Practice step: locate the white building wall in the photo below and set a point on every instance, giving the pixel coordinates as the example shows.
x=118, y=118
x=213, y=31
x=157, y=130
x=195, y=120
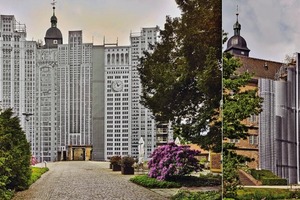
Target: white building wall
x=46, y=102
x=17, y=72
x=74, y=78
x=143, y=124
x=117, y=123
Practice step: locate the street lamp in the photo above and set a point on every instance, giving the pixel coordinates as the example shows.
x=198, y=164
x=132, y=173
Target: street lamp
x=27, y=115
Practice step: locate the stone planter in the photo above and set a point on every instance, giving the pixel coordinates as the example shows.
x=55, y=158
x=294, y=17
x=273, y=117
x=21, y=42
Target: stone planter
x=116, y=167
x=127, y=170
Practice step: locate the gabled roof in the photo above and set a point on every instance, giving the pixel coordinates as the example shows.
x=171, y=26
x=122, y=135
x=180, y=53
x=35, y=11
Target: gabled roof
x=259, y=67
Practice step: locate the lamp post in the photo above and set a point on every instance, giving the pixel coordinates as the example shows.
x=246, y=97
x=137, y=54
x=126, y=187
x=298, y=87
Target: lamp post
x=27, y=115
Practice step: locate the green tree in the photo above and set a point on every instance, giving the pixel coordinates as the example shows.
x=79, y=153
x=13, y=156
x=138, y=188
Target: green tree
x=14, y=152
x=181, y=78
x=239, y=103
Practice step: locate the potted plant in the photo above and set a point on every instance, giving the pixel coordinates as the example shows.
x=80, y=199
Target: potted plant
x=126, y=165
x=115, y=163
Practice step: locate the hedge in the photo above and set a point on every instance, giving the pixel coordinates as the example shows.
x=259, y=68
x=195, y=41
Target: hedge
x=273, y=181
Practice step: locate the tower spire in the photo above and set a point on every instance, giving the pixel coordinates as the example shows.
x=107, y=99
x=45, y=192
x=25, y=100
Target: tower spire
x=53, y=18
x=237, y=26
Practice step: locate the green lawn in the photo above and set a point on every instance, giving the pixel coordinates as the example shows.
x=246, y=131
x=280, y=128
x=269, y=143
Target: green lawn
x=37, y=173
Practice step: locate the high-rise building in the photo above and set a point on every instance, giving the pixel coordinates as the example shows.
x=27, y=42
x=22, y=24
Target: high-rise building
x=74, y=76
x=76, y=100
x=142, y=121
x=117, y=125
x=17, y=73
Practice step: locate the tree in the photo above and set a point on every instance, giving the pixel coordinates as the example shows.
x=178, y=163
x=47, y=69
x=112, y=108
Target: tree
x=239, y=103
x=181, y=78
x=14, y=152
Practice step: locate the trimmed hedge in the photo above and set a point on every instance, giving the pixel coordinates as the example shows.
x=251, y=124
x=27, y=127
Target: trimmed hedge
x=267, y=177
x=176, y=181
x=273, y=181
x=148, y=182
x=266, y=194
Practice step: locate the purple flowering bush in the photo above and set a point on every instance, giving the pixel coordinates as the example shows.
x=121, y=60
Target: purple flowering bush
x=170, y=160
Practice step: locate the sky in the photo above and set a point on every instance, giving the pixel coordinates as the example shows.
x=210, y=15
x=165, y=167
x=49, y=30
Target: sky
x=114, y=19
x=271, y=28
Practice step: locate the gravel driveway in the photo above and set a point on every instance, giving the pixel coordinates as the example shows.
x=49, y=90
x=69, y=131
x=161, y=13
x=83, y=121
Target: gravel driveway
x=85, y=180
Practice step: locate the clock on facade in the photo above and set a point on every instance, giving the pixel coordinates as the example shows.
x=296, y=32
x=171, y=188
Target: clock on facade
x=117, y=86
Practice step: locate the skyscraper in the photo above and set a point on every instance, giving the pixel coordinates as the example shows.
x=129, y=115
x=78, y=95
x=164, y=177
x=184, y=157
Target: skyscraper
x=17, y=73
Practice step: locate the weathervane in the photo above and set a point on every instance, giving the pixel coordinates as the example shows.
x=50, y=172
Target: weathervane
x=237, y=12
x=53, y=3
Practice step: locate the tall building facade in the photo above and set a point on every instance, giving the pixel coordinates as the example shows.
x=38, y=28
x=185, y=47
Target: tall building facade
x=279, y=123
x=74, y=95
x=142, y=122
x=117, y=127
x=17, y=73
x=74, y=77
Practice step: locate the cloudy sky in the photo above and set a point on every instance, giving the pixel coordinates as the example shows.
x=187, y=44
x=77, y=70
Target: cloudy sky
x=271, y=28
x=97, y=18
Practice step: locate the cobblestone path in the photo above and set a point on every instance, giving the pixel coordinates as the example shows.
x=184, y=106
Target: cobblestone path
x=85, y=180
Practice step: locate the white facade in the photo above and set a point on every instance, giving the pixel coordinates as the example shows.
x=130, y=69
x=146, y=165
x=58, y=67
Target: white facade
x=74, y=92
x=17, y=73
x=117, y=124
x=143, y=124
x=46, y=101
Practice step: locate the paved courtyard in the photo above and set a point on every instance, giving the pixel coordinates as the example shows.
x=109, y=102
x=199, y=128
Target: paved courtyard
x=85, y=180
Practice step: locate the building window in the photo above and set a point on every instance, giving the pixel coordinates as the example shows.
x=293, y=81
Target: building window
x=233, y=140
x=253, y=139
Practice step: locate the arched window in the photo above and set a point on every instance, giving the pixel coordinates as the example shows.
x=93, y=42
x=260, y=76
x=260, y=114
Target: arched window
x=118, y=59
x=113, y=59
x=108, y=59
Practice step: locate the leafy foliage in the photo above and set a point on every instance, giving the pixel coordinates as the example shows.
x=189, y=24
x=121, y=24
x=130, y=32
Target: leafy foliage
x=14, y=153
x=170, y=160
x=181, y=78
x=127, y=161
x=238, y=104
x=115, y=160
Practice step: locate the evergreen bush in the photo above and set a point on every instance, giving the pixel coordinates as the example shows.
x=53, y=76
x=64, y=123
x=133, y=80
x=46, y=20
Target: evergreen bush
x=15, y=155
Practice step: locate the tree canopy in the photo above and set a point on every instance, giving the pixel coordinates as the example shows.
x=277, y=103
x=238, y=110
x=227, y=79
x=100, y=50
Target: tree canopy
x=181, y=77
x=239, y=103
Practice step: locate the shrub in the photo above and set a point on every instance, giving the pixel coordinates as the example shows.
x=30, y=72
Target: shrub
x=169, y=160
x=273, y=181
x=265, y=193
x=149, y=182
x=193, y=181
x=188, y=195
x=115, y=160
x=267, y=177
x=127, y=161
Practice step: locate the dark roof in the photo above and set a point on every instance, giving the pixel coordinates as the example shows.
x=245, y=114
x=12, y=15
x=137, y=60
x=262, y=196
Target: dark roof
x=261, y=68
x=53, y=33
x=237, y=42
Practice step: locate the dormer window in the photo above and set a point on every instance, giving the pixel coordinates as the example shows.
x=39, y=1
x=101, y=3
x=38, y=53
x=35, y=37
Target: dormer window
x=54, y=41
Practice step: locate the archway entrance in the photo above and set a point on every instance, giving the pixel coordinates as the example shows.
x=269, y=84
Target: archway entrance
x=79, y=152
